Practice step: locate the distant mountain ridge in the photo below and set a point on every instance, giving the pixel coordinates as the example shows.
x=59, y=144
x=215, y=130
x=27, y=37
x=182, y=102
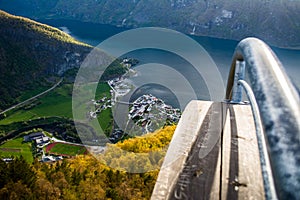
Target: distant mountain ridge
x=31, y=54
x=275, y=21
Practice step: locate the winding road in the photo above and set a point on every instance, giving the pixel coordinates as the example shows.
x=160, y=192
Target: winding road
x=34, y=97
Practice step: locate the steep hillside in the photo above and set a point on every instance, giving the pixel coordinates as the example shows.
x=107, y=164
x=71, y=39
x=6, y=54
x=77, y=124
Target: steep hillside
x=31, y=54
x=85, y=177
x=274, y=21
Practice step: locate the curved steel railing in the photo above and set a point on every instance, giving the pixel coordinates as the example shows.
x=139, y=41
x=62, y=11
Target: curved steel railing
x=279, y=112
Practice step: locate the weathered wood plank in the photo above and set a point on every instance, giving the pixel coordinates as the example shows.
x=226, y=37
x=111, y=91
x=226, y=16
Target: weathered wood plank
x=197, y=179
x=241, y=171
x=250, y=176
x=185, y=135
x=210, y=158
x=226, y=143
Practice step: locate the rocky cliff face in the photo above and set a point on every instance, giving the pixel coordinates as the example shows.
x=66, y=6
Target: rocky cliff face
x=276, y=22
x=30, y=53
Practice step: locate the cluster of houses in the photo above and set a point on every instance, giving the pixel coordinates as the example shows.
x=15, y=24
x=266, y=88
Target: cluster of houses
x=119, y=86
x=146, y=103
x=143, y=104
x=141, y=111
x=40, y=140
x=51, y=158
x=100, y=105
x=129, y=62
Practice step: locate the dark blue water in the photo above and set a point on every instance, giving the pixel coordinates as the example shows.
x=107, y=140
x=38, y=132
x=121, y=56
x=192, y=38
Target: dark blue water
x=89, y=33
x=220, y=50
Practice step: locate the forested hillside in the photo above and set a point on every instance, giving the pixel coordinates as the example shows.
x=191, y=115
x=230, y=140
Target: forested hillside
x=32, y=55
x=84, y=177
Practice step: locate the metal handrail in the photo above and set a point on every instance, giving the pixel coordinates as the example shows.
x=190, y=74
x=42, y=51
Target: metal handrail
x=261, y=140
x=279, y=106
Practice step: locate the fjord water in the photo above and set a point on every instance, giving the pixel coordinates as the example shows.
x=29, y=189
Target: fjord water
x=220, y=50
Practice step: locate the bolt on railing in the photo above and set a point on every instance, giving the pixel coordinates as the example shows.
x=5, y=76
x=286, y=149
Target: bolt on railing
x=276, y=109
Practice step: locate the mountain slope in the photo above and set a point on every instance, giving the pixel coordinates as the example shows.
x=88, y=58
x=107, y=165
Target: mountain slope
x=31, y=53
x=276, y=22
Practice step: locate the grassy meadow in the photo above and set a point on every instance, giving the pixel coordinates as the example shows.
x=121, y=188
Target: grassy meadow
x=16, y=148
x=57, y=102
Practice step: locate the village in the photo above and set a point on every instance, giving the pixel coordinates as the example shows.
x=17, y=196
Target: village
x=148, y=109
x=119, y=87
x=147, y=112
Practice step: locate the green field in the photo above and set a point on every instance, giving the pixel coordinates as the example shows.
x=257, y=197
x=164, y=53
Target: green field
x=66, y=149
x=55, y=103
x=105, y=120
x=16, y=148
x=28, y=94
x=102, y=90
